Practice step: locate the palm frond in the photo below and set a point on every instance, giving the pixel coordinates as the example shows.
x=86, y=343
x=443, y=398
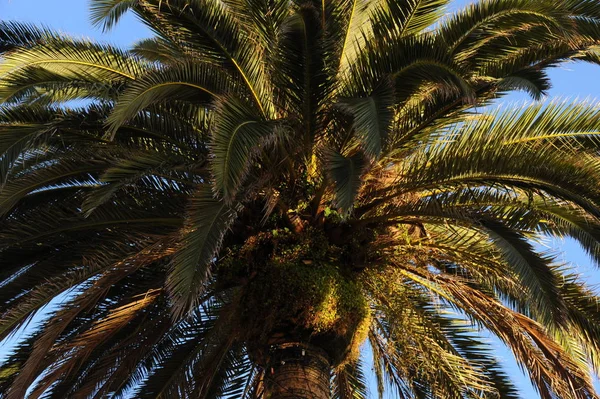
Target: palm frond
x=409, y=62
x=238, y=136
x=552, y=370
x=158, y=50
x=534, y=271
x=207, y=221
x=108, y=12
x=209, y=28
x=75, y=353
x=88, y=296
x=349, y=382
x=397, y=19
x=209, y=346
x=68, y=173
x=76, y=59
x=345, y=172
x=372, y=118
x=14, y=35
x=195, y=82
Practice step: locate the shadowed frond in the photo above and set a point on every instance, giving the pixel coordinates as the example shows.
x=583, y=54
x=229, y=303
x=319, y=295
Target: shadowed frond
x=372, y=118
x=207, y=221
x=346, y=173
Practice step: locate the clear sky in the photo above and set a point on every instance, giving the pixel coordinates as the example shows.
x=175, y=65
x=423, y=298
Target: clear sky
x=572, y=81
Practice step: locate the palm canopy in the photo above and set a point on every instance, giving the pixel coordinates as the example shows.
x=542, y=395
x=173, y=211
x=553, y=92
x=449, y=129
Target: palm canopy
x=272, y=174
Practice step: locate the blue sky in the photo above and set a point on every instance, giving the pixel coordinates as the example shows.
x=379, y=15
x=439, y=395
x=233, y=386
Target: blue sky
x=570, y=81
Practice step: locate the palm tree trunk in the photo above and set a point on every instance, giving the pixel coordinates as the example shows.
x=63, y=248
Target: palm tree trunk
x=297, y=371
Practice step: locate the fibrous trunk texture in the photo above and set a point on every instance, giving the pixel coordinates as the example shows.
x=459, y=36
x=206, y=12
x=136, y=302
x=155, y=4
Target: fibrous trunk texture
x=297, y=371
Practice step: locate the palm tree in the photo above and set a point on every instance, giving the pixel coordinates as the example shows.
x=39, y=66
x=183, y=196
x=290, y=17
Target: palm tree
x=231, y=208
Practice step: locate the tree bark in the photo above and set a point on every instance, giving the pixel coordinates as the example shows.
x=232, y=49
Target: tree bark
x=297, y=371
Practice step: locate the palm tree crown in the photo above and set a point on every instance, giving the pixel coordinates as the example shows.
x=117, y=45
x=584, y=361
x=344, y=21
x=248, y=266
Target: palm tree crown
x=265, y=185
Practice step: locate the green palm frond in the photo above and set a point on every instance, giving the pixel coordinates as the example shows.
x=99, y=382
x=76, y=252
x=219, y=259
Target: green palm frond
x=533, y=270
x=372, y=118
x=199, y=83
x=74, y=59
x=428, y=371
x=207, y=26
x=582, y=304
x=265, y=17
x=350, y=382
x=49, y=284
x=37, y=85
x=409, y=63
x=531, y=131
x=24, y=127
x=158, y=50
x=80, y=349
x=108, y=12
x=534, y=83
x=154, y=366
x=468, y=28
x=237, y=138
x=397, y=19
x=156, y=169
x=236, y=374
x=352, y=16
